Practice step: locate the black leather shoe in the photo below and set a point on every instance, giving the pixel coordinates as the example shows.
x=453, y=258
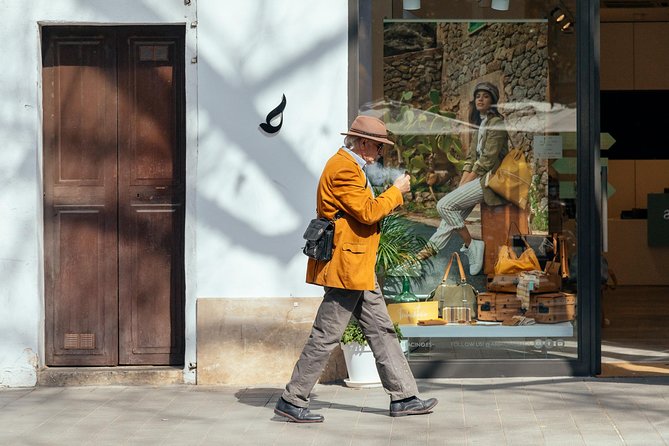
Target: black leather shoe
x=412, y=406
x=295, y=413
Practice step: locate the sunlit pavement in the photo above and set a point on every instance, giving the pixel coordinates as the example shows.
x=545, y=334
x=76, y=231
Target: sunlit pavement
x=527, y=411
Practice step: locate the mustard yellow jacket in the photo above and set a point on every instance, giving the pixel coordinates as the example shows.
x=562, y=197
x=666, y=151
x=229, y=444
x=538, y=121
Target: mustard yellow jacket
x=343, y=188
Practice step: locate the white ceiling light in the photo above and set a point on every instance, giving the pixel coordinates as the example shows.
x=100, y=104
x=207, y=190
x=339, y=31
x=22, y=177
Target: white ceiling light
x=411, y=5
x=500, y=5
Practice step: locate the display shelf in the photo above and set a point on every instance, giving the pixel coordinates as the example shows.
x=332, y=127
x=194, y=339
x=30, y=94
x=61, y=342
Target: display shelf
x=488, y=330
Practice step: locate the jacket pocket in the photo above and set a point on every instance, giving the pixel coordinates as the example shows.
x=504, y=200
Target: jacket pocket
x=355, y=248
x=355, y=265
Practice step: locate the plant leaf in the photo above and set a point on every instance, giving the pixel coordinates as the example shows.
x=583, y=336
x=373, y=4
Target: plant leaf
x=418, y=162
x=423, y=149
x=435, y=96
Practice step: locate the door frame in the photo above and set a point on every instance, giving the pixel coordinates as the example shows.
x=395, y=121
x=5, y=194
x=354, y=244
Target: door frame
x=191, y=142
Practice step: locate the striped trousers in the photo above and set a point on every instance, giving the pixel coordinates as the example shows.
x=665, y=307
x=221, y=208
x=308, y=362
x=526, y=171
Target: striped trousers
x=454, y=208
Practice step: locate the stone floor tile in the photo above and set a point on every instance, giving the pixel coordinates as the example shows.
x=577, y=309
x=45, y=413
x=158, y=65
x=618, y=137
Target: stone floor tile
x=563, y=440
x=551, y=411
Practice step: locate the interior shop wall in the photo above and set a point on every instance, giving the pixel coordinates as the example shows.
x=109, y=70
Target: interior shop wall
x=634, y=59
x=21, y=270
x=256, y=190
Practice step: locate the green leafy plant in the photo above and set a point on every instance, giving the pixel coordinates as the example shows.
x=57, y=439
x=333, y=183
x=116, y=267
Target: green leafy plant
x=427, y=141
x=353, y=333
x=398, y=246
x=539, y=213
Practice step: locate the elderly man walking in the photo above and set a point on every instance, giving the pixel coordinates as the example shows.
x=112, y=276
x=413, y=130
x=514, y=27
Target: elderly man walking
x=345, y=196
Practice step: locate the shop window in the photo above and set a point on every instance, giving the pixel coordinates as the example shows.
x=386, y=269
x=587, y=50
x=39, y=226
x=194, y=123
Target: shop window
x=461, y=86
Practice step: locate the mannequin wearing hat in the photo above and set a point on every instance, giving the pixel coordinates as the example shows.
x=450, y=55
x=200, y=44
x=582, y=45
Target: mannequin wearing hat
x=345, y=196
x=487, y=148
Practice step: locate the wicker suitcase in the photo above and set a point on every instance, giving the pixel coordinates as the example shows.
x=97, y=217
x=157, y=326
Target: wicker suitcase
x=551, y=308
x=498, y=307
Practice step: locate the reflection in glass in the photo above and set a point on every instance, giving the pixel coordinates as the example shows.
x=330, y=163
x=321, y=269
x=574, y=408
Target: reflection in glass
x=437, y=75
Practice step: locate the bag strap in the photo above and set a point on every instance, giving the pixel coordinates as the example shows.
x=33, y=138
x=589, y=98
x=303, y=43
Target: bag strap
x=448, y=269
x=555, y=253
x=555, y=247
x=512, y=225
x=463, y=278
x=520, y=234
x=337, y=215
x=563, y=260
x=455, y=256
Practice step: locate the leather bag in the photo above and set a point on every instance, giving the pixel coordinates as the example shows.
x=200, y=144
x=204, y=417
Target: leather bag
x=319, y=237
x=545, y=283
x=505, y=283
x=459, y=298
x=544, y=246
x=508, y=262
x=512, y=178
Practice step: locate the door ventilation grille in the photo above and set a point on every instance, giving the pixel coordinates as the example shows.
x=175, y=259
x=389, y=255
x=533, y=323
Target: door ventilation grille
x=79, y=341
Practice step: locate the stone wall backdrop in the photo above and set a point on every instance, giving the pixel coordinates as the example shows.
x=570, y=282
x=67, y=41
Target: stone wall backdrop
x=412, y=61
x=512, y=56
x=418, y=72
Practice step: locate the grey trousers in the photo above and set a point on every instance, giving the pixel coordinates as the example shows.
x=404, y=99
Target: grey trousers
x=333, y=315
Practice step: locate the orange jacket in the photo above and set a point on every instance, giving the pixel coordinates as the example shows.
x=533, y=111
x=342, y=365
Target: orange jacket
x=343, y=187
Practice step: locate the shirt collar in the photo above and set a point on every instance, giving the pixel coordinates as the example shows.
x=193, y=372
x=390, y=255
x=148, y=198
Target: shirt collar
x=358, y=159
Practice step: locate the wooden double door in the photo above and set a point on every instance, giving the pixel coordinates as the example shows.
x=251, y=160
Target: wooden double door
x=114, y=188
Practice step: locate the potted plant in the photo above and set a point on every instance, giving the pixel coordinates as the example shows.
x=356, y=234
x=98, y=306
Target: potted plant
x=359, y=358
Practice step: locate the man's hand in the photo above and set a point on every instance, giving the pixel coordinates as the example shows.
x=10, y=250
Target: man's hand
x=403, y=183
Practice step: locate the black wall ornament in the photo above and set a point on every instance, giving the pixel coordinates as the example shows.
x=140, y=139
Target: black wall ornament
x=267, y=125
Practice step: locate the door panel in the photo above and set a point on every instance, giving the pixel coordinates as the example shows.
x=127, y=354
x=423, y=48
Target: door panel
x=80, y=205
x=114, y=152
x=149, y=329
x=151, y=185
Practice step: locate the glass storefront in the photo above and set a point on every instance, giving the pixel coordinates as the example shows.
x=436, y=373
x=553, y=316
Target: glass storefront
x=469, y=92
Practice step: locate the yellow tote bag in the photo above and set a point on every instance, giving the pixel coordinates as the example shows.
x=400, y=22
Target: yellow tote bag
x=512, y=178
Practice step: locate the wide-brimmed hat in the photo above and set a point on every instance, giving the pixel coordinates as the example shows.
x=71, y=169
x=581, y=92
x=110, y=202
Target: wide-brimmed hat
x=489, y=88
x=369, y=127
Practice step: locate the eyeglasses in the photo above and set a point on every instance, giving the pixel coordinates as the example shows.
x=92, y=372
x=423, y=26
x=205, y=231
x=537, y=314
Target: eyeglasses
x=379, y=146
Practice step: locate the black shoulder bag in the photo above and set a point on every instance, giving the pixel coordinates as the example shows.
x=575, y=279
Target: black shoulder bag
x=320, y=238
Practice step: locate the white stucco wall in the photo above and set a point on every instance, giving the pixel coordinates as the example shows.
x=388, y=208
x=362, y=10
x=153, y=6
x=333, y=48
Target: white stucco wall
x=249, y=195
x=256, y=193
x=21, y=261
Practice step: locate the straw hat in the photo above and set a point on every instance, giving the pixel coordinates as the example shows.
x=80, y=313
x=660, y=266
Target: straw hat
x=369, y=127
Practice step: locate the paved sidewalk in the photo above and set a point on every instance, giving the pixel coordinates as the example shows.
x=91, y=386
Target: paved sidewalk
x=527, y=411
